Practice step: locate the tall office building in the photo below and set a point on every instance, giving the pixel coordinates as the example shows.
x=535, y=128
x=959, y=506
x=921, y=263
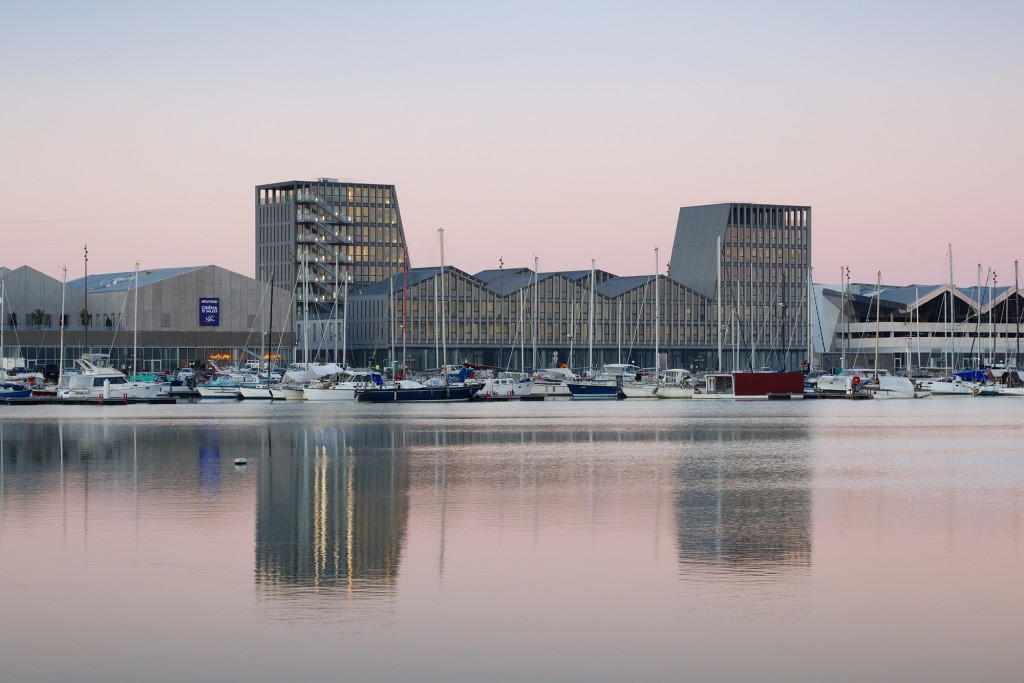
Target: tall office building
x=764, y=265
x=347, y=233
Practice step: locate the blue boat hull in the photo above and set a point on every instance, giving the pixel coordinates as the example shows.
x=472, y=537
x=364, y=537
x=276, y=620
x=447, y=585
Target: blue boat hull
x=594, y=391
x=436, y=394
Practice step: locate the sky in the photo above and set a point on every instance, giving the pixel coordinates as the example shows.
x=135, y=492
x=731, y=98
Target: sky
x=568, y=131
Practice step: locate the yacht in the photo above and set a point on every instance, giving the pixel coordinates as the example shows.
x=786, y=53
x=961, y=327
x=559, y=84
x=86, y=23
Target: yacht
x=606, y=385
x=875, y=382
x=342, y=386
x=95, y=377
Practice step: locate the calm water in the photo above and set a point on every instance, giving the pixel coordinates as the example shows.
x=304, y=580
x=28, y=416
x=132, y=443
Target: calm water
x=559, y=541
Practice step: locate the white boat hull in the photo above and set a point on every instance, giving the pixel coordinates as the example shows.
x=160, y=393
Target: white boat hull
x=674, y=392
x=335, y=393
x=264, y=393
x=221, y=392
x=639, y=390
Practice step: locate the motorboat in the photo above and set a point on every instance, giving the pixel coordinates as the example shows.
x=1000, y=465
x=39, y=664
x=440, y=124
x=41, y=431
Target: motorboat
x=874, y=382
x=227, y=385
x=14, y=390
x=498, y=388
x=341, y=386
x=95, y=377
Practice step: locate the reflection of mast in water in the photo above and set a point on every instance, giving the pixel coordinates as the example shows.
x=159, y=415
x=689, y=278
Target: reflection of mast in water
x=444, y=496
x=2, y=474
x=333, y=515
x=738, y=506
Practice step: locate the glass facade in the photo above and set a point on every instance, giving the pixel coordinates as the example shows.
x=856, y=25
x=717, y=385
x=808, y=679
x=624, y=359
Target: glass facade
x=546, y=321
x=765, y=265
x=319, y=236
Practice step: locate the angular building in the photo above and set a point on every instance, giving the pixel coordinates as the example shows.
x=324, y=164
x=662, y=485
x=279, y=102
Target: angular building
x=764, y=267
x=348, y=235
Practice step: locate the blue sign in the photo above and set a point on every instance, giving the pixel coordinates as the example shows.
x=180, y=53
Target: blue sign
x=209, y=312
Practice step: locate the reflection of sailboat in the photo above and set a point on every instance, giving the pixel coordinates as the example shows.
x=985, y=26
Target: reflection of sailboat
x=334, y=516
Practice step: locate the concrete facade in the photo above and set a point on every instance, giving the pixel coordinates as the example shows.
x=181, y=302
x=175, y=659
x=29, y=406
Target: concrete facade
x=169, y=330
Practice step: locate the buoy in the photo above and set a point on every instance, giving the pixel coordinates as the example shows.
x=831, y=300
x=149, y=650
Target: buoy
x=240, y=461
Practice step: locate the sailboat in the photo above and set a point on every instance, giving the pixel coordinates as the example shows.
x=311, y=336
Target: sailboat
x=410, y=391
x=882, y=384
x=265, y=392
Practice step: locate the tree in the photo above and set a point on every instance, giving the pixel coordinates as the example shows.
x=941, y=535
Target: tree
x=38, y=316
x=84, y=317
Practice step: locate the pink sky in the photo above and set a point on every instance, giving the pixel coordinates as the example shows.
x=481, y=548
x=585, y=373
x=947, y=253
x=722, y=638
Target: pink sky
x=570, y=131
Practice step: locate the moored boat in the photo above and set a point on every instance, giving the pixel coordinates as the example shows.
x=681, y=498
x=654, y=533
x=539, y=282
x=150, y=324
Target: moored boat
x=409, y=391
x=97, y=378
x=752, y=386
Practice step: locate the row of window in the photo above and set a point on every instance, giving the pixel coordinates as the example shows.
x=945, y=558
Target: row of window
x=739, y=255
x=738, y=235
x=769, y=216
x=329, y=192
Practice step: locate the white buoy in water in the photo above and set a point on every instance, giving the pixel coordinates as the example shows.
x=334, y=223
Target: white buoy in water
x=240, y=461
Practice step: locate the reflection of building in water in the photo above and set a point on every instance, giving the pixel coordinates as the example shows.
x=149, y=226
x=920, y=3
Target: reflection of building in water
x=331, y=507
x=744, y=498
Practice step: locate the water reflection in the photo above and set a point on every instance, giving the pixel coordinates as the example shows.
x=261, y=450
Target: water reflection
x=331, y=508
x=744, y=499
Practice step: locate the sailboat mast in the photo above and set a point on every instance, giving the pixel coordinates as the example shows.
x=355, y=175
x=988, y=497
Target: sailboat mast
x=405, y=300
x=1016, y=307
x=878, y=316
x=391, y=315
x=63, y=322
x=344, y=322
x=305, y=307
x=916, y=336
x=334, y=309
x=810, y=329
x=844, y=281
x=270, y=327
x=949, y=314
x=590, y=320
x=135, y=324
x=444, y=339
x=522, y=332
x=657, y=313
x=536, y=279
x=85, y=290
x=991, y=322
x=3, y=296
x=718, y=296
